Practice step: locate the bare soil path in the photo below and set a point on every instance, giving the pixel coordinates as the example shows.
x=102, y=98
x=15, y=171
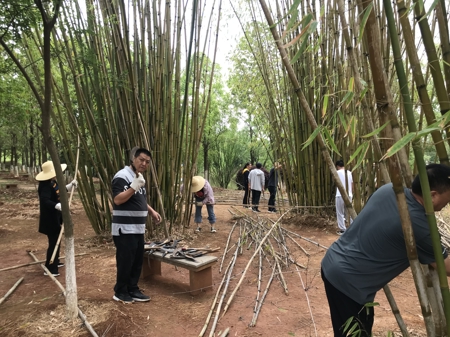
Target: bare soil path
x=37, y=307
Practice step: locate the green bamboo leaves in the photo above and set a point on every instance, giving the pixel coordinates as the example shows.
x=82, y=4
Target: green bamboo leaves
x=412, y=136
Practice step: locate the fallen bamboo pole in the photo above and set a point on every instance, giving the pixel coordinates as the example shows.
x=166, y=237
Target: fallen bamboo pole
x=218, y=203
x=307, y=300
x=225, y=251
x=33, y=263
x=256, y=313
x=306, y=239
x=208, y=318
x=80, y=313
x=219, y=305
x=225, y=333
x=10, y=291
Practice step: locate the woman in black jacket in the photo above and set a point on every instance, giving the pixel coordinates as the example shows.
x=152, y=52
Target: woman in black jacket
x=245, y=173
x=50, y=217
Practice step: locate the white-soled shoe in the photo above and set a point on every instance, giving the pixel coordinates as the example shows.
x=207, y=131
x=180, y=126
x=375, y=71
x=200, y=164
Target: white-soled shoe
x=198, y=230
x=213, y=230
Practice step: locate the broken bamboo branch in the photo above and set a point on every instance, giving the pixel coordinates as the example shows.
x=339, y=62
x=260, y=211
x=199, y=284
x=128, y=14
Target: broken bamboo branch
x=33, y=263
x=10, y=291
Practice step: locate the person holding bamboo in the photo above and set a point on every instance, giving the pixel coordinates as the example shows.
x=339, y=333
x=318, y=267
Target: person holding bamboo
x=203, y=195
x=372, y=250
x=130, y=211
x=50, y=216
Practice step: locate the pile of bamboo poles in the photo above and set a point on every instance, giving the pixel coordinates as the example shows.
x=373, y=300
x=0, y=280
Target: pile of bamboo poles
x=271, y=246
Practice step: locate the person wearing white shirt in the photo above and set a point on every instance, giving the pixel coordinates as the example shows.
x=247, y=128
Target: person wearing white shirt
x=347, y=180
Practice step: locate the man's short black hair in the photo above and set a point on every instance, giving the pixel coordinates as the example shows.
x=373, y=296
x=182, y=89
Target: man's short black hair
x=340, y=163
x=258, y=165
x=438, y=178
x=142, y=150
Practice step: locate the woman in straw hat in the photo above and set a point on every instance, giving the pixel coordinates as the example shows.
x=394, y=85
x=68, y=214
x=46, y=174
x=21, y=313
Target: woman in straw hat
x=50, y=217
x=203, y=195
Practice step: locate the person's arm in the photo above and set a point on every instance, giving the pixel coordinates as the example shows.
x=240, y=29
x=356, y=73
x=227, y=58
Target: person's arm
x=446, y=263
x=155, y=215
x=124, y=196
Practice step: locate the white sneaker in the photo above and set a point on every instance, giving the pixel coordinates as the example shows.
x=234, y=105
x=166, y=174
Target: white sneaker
x=198, y=230
x=213, y=230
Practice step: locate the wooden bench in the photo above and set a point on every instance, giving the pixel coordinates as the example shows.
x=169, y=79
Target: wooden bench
x=200, y=270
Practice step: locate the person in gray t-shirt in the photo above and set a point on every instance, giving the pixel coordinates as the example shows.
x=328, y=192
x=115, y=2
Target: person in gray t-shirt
x=372, y=250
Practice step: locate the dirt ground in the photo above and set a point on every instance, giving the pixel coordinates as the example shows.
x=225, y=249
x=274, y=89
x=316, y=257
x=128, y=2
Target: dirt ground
x=37, y=306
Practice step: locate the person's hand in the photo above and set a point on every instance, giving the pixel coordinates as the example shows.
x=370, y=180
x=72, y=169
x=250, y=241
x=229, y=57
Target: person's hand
x=199, y=203
x=73, y=184
x=156, y=217
x=138, y=182
x=58, y=206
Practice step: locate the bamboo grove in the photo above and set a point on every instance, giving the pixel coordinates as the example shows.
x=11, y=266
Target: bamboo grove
x=129, y=73
x=366, y=82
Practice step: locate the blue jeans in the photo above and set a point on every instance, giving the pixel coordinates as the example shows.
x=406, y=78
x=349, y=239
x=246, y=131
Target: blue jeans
x=198, y=213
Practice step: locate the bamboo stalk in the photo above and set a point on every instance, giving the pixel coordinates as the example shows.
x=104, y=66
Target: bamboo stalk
x=205, y=326
x=70, y=201
x=225, y=251
x=307, y=300
x=10, y=291
x=306, y=239
x=32, y=263
x=258, y=287
x=225, y=332
x=258, y=310
x=219, y=305
x=298, y=245
x=280, y=274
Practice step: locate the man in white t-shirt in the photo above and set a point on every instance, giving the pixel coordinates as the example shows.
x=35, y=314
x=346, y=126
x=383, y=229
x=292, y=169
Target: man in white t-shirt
x=347, y=181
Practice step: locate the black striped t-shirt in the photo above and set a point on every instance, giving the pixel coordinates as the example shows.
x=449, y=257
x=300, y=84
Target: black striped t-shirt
x=129, y=217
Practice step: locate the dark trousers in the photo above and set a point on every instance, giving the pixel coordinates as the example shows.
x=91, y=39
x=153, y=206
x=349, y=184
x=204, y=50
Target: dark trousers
x=246, y=200
x=273, y=193
x=343, y=307
x=129, y=258
x=256, y=195
x=52, y=240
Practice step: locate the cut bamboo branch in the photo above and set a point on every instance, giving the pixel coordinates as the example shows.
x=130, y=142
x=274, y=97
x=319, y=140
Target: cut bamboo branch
x=225, y=251
x=219, y=305
x=225, y=332
x=307, y=300
x=258, y=310
x=205, y=326
x=248, y=265
x=10, y=291
x=33, y=263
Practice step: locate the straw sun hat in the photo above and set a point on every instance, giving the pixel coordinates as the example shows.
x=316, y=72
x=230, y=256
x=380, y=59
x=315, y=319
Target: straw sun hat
x=48, y=171
x=197, y=183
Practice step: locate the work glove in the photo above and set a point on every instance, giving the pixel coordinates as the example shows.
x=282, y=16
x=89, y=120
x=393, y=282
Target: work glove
x=199, y=203
x=58, y=206
x=138, y=182
x=73, y=184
